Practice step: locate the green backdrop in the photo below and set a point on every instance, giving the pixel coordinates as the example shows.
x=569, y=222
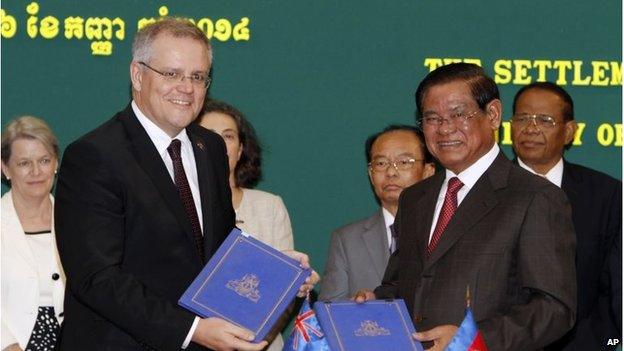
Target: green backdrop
x=317, y=77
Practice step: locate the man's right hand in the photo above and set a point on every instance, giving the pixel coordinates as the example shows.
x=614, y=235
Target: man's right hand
x=363, y=295
x=220, y=335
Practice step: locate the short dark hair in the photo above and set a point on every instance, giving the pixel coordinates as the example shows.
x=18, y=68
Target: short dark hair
x=483, y=87
x=247, y=173
x=368, y=145
x=568, y=104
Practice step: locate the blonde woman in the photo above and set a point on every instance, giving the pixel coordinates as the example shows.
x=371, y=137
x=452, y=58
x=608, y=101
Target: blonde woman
x=32, y=276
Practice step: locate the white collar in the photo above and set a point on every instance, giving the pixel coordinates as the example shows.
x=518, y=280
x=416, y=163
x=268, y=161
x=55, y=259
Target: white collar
x=158, y=136
x=554, y=175
x=471, y=175
x=388, y=217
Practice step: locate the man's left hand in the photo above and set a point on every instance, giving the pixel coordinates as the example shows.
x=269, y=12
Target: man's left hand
x=304, y=262
x=440, y=336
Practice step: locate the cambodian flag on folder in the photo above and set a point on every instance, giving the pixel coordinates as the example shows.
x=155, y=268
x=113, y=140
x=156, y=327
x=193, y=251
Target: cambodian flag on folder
x=307, y=334
x=468, y=337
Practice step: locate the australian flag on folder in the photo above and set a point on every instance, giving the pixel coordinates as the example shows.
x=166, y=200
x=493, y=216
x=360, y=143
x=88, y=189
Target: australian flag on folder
x=468, y=337
x=307, y=334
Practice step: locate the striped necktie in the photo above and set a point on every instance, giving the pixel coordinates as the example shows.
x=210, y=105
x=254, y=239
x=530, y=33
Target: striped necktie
x=446, y=213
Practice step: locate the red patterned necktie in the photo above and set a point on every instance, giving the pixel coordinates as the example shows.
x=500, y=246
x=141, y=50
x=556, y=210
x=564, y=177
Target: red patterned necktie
x=446, y=213
x=184, y=190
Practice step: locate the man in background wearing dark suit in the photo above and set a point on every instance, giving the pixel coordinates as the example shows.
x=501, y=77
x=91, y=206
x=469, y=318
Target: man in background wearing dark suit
x=484, y=224
x=542, y=126
x=142, y=203
x=358, y=254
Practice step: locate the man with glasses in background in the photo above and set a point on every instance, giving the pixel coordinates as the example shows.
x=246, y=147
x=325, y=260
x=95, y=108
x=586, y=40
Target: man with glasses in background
x=542, y=127
x=142, y=203
x=358, y=254
x=484, y=225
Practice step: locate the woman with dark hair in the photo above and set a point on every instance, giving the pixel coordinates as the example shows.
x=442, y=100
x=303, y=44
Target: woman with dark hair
x=261, y=214
x=33, y=282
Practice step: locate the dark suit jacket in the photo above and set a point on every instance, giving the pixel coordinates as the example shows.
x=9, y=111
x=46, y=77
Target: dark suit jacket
x=510, y=242
x=596, y=200
x=357, y=259
x=125, y=241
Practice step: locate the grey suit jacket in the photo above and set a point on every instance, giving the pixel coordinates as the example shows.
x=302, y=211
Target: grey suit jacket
x=511, y=242
x=357, y=258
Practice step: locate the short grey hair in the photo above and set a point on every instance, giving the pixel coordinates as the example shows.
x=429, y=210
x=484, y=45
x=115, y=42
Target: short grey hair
x=28, y=127
x=176, y=27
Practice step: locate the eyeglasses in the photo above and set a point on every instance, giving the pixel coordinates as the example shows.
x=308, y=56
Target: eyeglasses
x=402, y=164
x=539, y=120
x=173, y=76
x=455, y=118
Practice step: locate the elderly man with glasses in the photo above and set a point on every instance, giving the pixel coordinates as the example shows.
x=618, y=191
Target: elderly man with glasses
x=483, y=225
x=358, y=253
x=542, y=127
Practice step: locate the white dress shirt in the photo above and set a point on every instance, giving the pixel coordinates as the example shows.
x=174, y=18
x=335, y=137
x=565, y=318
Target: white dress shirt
x=555, y=174
x=162, y=141
x=388, y=220
x=469, y=177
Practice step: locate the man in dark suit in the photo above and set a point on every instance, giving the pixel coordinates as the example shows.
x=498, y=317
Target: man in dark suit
x=542, y=127
x=142, y=202
x=358, y=254
x=482, y=225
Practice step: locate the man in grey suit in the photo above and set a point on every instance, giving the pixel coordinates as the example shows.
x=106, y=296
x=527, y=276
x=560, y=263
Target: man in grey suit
x=358, y=254
x=484, y=224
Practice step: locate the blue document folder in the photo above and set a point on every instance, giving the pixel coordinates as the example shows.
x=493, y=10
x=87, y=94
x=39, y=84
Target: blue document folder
x=247, y=283
x=376, y=325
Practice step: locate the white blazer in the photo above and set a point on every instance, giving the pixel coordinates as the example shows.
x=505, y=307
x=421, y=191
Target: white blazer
x=20, y=283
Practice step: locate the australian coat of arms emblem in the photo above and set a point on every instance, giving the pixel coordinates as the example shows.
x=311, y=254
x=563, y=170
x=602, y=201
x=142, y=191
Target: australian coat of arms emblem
x=246, y=286
x=371, y=328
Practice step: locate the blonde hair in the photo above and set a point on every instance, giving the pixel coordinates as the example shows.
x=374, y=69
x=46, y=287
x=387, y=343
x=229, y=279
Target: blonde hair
x=28, y=127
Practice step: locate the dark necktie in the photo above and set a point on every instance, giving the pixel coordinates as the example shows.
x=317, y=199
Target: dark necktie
x=184, y=190
x=394, y=238
x=446, y=213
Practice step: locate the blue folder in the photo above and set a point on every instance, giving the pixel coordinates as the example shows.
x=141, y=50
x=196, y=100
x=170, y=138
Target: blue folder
x=376, y=325
x=247, y=283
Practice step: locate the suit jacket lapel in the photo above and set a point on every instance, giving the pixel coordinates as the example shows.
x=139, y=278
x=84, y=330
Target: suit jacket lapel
x=570, y=183
x=151, y=162
x=205, y=177
x=376, y=242
x=478, y=202
x=422, y=219
x=12, y=232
